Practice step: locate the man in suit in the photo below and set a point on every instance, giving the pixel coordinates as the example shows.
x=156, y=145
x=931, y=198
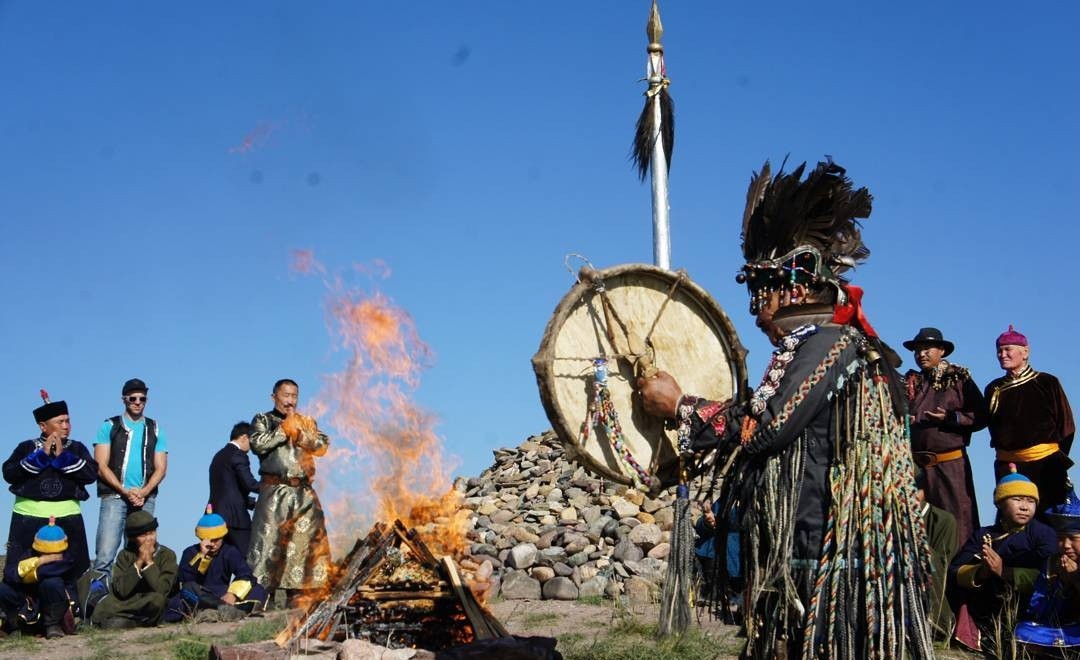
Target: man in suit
x=230, y=483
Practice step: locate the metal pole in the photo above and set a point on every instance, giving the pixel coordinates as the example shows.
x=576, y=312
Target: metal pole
x=659, y=165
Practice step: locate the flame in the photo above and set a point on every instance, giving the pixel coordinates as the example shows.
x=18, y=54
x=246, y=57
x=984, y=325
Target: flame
x=385, y=457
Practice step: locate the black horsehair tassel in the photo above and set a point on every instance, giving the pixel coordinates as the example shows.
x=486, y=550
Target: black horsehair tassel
x=675, y=602
x=644, y=138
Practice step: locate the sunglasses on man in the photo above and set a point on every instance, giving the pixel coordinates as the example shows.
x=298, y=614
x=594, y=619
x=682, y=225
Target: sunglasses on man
x=135, y=399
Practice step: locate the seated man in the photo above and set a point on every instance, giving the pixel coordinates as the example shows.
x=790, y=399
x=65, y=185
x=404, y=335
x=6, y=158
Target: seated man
x=39, y=586
x=143, y=578
x=1052, y=619
x=997, y=567
x=216, y=582
x=941, y=535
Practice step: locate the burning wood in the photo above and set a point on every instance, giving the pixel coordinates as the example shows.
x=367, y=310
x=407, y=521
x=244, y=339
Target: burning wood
x=391, y=590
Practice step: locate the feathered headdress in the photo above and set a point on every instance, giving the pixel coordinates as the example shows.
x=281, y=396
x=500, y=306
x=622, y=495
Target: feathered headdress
x=798, y=231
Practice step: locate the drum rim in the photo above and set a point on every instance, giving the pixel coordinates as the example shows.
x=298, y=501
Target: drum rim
x=543, y=360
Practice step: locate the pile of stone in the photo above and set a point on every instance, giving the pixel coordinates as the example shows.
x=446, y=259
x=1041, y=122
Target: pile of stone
x=545, y=527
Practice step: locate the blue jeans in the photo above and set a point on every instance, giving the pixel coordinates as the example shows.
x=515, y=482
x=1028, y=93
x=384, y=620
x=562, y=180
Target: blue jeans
x=110, y=530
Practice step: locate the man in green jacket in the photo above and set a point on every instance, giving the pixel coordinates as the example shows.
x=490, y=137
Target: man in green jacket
x=143, y=578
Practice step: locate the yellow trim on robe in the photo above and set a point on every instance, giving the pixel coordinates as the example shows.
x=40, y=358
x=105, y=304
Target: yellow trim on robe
x=28, y=569
x=240, y=588
x=1028, y=454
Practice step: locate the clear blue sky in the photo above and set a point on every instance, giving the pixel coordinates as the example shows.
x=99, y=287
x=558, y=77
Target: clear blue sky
x=470, y=146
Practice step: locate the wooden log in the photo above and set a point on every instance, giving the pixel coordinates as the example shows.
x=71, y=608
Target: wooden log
x=484, y=625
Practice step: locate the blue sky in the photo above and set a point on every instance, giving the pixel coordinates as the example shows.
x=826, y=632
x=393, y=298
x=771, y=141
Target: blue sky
x=469, y=146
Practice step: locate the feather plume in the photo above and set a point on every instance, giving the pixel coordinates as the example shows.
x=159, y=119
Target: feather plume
x=784, y=212
x=645, y=134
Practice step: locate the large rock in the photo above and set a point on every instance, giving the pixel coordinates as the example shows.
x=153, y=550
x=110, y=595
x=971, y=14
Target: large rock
x=624, y=508
x=358, y=649
x=627, y=550
x=518, y=585
x=645, y=535
x=640, y=592
x=660, y=551
x=522, y=556
x=560, y=588
x=542, y=573
x=593, y=587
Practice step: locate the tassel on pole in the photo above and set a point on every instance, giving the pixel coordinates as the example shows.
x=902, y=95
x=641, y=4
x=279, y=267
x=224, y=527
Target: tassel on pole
x=676, y=601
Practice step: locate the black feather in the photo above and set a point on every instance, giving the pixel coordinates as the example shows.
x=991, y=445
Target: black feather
x=784, y=212
x=645, y=133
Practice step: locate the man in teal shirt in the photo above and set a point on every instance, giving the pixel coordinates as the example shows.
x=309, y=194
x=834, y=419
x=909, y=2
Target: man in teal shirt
x=132, y=457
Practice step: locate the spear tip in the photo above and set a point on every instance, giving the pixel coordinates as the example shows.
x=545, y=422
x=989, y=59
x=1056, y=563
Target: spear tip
x=654, y=29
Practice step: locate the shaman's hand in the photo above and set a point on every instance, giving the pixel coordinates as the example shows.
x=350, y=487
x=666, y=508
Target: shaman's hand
x=660, y=395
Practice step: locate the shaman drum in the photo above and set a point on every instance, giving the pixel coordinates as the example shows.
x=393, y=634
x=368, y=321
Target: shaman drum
x=612, y=325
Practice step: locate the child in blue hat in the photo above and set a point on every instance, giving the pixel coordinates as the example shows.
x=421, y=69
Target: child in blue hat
x=216, y=583
x=39, y=587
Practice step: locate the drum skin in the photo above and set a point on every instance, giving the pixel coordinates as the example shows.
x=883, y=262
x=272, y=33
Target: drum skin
x=693, y=340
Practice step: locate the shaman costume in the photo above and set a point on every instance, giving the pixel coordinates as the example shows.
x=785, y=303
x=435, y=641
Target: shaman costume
x=1031, y=425
x=834, y=549
x=48, y=487
x=289, y=547
x=1052, y=619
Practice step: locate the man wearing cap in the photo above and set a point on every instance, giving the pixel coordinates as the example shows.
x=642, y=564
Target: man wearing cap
x=39, y=585
x=1052, y=618
x=946, y=407
x=216, y=582
x=230, y=483
x=132, y=456
x=289, y=548
x=49, y=475
x=1001, y=560
x=143, y=578
x=1031, y=422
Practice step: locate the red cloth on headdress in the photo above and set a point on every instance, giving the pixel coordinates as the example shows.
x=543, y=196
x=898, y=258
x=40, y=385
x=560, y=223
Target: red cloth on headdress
x=851, y=312
x=1011, y=338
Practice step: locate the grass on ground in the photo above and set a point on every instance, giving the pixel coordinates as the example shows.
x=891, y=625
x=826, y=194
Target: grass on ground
x=634, y=640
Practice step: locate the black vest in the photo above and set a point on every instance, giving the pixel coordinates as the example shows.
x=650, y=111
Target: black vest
x=118, y=446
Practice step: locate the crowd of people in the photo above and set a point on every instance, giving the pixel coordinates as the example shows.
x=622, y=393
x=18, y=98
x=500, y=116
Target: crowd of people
x=843, y=521
x=1016, y=581
x=233, y=570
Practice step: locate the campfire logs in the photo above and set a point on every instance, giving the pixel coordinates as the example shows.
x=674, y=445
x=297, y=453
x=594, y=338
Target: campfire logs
x=390, y=590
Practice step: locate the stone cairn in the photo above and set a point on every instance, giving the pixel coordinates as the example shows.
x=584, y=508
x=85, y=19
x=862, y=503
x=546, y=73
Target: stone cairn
x=543, y=526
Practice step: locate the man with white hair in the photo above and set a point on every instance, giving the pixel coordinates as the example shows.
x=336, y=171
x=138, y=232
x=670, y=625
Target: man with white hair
x=1031, y=422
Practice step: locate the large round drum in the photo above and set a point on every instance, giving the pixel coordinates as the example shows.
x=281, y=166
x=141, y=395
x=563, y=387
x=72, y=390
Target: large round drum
x=631, y=317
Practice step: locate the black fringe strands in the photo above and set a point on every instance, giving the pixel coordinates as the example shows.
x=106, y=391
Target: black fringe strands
x=645, y=136
x=675, y=602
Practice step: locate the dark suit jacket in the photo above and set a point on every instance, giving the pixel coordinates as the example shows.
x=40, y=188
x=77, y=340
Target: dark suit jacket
x=230, y=482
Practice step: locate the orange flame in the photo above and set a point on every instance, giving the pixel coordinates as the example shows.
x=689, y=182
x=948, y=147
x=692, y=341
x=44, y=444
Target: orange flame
x=385, y=457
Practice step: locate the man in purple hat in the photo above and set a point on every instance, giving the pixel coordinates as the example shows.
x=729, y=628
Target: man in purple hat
x=946, y=407
x=1031, y=422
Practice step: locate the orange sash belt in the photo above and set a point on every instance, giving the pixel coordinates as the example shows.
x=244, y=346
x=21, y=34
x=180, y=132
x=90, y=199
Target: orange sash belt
x=930, y=459
x=1028, y=454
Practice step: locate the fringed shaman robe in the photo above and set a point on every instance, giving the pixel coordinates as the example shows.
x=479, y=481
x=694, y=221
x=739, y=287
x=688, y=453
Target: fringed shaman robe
x=835, y=552
x=289, y=547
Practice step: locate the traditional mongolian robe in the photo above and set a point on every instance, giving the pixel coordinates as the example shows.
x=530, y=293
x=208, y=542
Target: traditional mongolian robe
x=941, y=447
x=1052, y=618
x=1023, y=551
x=1031, y=425
x=49, y=486
x=205, y=580
x=138, y=595
x=289, y=547
x=834, y=551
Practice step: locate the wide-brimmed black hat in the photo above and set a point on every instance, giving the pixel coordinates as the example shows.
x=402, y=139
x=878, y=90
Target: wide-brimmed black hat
x=929, y=336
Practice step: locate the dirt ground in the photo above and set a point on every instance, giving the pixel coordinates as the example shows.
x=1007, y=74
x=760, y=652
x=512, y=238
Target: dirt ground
x=548, y=618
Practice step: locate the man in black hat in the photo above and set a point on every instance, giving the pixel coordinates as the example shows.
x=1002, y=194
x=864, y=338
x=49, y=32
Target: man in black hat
x=48, y=475
x=946, y=407
x=143, y=578
x=132, y=455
